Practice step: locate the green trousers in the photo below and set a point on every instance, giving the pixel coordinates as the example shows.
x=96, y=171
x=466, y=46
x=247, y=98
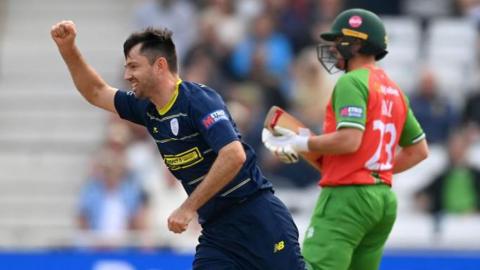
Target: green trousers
x=349, y=227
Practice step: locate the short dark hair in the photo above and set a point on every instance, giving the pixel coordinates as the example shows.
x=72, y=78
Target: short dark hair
x=155, y=43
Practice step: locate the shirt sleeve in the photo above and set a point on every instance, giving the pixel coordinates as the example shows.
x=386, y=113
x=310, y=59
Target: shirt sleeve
x=213, y=120
x=412, y=131
x=130, y=107
x=349, y=101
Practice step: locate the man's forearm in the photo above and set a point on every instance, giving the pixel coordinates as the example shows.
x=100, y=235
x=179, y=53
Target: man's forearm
x=88, y=82
x=410, y=156
x=404, y=161
x=85, y=78
x=343, y=141
x=223, y=170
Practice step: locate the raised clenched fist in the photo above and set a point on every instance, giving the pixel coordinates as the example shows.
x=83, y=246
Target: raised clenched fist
x=64, y=33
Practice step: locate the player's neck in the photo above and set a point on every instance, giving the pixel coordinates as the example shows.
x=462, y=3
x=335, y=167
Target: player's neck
x=166, y=90
x=360, y=61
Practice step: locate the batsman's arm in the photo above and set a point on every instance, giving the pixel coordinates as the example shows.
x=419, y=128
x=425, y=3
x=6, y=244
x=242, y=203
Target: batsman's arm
x=88, y=82
x=342, y=141
x=414, y=145
x=410, y=156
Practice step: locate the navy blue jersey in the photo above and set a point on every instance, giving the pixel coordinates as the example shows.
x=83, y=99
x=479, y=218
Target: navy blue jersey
x=189, y=132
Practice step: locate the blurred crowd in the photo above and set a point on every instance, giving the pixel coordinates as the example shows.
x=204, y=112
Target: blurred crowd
x=257, y=54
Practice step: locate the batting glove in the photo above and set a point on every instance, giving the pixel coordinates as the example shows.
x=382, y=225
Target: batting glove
x=286, y=144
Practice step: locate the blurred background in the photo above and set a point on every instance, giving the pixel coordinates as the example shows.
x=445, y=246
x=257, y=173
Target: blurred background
x=81, y=189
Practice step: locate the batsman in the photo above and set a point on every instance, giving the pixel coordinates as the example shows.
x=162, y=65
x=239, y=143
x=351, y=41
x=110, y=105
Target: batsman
x=366, y=118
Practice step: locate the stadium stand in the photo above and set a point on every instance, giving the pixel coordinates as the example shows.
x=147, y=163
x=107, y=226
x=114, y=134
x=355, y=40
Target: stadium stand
x=404, y=37
x=47, y=131
x=451, y=48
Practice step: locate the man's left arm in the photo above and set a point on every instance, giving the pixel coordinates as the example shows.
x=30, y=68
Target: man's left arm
x=349, y=103
x=342, y=141
x=228, y=163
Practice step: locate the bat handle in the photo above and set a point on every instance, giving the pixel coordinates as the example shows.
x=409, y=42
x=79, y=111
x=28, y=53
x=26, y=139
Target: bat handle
x=275, y=118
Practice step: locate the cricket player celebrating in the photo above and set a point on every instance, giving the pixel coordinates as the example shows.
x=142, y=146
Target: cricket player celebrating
x=367, y=117
x=244, y=225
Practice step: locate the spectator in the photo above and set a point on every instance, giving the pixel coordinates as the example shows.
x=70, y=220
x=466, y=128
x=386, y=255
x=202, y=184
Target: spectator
x=292, y=18
x=391, y=7
x=326, y=10
x=312, y=89
x=207, y=60
x=111, y=202
x=205, y=66
x=456, y=189
x=246, y=104
x=177, y=15
x=266, y=51
x=471, y=112
x=435, y=113
x=469, y=9
x=229, y=27
x=322, y=13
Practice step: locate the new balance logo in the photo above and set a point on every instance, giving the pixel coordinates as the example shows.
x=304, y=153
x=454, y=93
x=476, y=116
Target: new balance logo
x=278, y=246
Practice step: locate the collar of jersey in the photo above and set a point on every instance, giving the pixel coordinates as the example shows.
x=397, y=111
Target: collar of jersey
x=172, y=100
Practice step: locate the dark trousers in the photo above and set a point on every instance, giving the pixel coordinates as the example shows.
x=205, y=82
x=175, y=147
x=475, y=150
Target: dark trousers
x=258, y=233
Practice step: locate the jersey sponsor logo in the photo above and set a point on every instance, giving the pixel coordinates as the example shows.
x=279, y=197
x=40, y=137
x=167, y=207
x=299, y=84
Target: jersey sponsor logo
x=174, y=126
x=386, y=90
x=351, y=111
x=355, y=21
x=278, y=246
x=213, y=118
x=183, y=160
x=155, y=130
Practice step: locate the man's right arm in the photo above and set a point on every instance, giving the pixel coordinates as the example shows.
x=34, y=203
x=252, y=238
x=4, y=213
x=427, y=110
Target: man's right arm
x=88, y=82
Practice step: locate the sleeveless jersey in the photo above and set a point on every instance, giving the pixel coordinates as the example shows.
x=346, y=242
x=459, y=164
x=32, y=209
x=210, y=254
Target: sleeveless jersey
x=368, y=100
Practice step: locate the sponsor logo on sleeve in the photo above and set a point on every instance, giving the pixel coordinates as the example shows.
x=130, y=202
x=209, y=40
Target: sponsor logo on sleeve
x=213, y=118
x=351, y=111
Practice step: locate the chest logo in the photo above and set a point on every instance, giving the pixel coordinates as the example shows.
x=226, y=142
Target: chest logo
x=174, y=126
x=183, y=160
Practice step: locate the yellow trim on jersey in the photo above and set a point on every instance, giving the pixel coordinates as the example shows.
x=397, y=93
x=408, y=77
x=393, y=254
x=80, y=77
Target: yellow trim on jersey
x=353, y=33
x=170, y=103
